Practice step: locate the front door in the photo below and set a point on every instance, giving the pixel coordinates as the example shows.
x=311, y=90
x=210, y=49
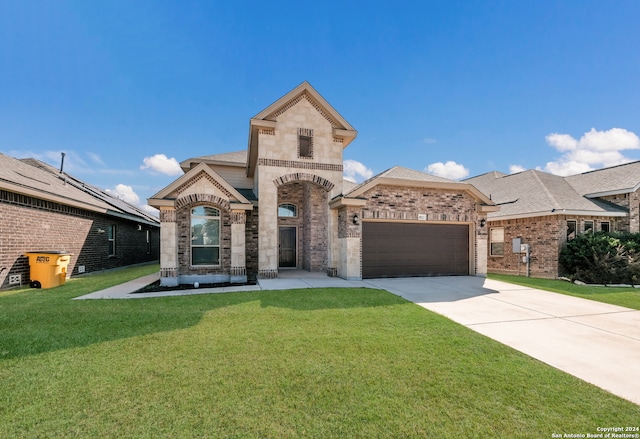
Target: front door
x=287, y=246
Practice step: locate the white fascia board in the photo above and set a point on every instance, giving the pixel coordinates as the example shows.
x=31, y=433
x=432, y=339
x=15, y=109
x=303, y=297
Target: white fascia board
x=614, y=192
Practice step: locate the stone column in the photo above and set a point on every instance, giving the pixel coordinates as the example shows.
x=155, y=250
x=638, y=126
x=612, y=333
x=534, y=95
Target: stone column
x=238, y=271
x=168, y=247
x=268, y=232
x=350, y=240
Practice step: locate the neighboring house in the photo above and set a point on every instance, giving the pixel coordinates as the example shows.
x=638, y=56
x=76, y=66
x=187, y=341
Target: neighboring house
x=545, y=211
x=283, y=203
x=43, y=209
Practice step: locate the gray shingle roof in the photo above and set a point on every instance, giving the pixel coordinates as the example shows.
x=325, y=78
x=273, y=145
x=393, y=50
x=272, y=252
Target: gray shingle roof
x=616, y=179
x=535, y=192
x=43, y=181
x=401, y=173
x=236, y=157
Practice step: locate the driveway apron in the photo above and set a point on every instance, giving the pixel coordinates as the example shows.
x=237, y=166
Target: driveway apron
x=594, y=341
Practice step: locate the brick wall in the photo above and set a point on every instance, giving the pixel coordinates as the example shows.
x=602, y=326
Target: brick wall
x=251, y=242
x=405, y=203
x=311, y=223
x=632, y=203
x=546, y=236
x=316, y=239
x=30, y=224
x=183, y=216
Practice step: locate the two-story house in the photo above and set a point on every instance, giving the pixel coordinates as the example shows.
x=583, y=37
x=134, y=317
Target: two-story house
x=283, y=203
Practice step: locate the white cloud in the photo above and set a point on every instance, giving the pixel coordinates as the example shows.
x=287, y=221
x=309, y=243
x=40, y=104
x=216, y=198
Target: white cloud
x=162, y=164
x=514, y=169
x=125, y=193
x=429, y=140
x=595, y=149
x=450, y=169
x=150, y=210
x=355, y=171
x=96, y=158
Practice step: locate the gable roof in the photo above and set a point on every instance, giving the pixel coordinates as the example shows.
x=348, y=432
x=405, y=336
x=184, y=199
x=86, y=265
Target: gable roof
x=34, y=178
x=163, y=198
x=236, y=158
x=401, y=176
x=615, y=180
x=267, y=119
x=537, y=193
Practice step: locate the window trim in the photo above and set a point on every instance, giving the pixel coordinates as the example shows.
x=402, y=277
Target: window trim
x=584, y=226
x=217, y=218
x=111, y=239
x=295, y=210
x=305, y=134
x=492, y=241
x=608, y=223
x=575, y=229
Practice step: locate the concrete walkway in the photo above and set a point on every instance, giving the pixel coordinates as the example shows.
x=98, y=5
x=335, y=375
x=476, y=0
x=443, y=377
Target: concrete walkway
x=596, y=342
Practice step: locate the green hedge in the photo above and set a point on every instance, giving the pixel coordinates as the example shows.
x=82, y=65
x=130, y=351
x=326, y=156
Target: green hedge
x=603, y=258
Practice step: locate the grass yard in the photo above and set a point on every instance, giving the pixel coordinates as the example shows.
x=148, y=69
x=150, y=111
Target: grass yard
x=318, y=363
x=628, y=297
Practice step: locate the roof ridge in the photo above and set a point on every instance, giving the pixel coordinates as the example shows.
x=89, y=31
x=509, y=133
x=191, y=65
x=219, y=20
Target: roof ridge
x=546, y=190
x=603, y=169
x=357, y=186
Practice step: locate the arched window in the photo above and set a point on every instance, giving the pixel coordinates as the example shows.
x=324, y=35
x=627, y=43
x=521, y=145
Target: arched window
x=205, y=236
x=287, y=210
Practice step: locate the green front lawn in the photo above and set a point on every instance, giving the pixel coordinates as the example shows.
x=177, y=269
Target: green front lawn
x=628, y=297
x=317, y=363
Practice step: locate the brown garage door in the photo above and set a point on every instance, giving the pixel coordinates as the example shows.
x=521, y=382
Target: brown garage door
x=406, y=249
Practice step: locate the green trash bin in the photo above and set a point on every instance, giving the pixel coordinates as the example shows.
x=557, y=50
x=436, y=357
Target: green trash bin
x=48, y=269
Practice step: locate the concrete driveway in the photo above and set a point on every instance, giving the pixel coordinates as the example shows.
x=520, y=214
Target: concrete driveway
x=596, y=342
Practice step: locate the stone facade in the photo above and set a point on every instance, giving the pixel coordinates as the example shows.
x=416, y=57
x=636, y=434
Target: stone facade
x=280, y=163
x=294, y=156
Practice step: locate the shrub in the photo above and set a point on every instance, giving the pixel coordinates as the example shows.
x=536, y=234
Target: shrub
x=603, y=258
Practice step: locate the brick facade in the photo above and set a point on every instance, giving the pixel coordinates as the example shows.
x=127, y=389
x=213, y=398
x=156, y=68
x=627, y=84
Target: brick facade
x=311, y=222
x=184, y=241
x=632, y=203
x=546, y=236
x=31, y=224
x=416, y=204
x=406, y=203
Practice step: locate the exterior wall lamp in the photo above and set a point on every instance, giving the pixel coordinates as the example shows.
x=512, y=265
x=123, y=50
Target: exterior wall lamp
x=356, y=219
x=483, y=222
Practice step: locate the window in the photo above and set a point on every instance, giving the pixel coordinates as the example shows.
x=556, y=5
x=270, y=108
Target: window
x=287, y=210
x=571, y=229
x=205, y=236
x=111, y=236
x=588, y=227
x=605, y=227
x=497, y=241
x=305, y=143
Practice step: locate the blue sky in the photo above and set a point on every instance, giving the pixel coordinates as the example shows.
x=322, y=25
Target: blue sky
x=456, y=88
